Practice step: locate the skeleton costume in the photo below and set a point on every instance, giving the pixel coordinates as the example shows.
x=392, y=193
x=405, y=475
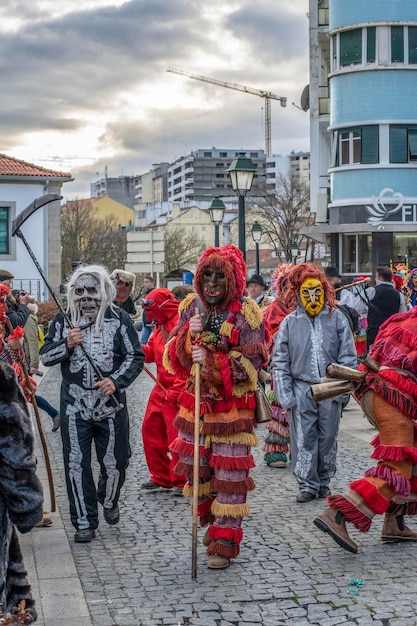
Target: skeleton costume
x=309, y=338
x=233, y=338
x=87, y=414
x=21, y=497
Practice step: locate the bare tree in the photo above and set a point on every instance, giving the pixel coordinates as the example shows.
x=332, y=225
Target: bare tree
x=89, y=239
x=181, y=248
x=282, y=212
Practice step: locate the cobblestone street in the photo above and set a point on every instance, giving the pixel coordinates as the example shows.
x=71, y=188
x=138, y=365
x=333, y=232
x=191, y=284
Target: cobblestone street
x=139, y=572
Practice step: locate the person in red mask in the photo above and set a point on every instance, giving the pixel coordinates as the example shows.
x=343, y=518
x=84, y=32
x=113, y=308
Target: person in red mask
x=158, y=430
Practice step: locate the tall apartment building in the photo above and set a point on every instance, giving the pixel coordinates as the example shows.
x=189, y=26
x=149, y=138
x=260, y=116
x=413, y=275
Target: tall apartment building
x=296, y=164
x=152, y=186
x=121, y=189
x=363, y=93
x=202, y=174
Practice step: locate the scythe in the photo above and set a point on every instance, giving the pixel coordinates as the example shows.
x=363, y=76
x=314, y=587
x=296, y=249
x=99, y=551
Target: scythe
x=16, y=232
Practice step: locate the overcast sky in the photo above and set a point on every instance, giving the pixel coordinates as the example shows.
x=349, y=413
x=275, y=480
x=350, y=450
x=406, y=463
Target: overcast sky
x=85, y=83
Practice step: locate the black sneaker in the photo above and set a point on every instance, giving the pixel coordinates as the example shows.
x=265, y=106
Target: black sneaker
x=112, y=516
x=152, y=486
x=324, y=492
x=84, y=535
x=56, y=423
x=305, y=496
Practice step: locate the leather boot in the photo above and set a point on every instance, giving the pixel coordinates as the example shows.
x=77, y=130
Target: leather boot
x=394, y=529
x=206, y=539
x=215, y=561
x=332, y=521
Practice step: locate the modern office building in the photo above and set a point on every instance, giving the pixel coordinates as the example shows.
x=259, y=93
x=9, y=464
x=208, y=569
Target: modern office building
x=362, y=98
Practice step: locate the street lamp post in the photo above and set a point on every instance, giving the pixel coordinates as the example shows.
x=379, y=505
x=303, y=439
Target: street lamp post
x=294, y=251
x=217, y=209
x=241, y=173
x=257, y=236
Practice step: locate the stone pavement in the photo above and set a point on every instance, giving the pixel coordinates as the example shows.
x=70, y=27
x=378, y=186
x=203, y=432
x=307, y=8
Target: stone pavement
x=289, y=573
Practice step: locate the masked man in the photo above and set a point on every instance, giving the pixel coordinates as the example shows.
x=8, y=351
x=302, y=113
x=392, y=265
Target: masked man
x=227, y=338
x=125, y=284
x=309, y=338
x=93, y=408
x=158, y=430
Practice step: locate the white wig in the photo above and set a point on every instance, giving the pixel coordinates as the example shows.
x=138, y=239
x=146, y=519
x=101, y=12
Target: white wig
x=106, y=287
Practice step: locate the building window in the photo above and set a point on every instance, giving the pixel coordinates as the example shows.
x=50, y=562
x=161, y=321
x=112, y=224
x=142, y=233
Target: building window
x=207, y=154
x=356, y=145
x=397, y=44
x=223, y=154
x=412, y=44
x=4, y=230
x=350, y=147
x=351, y=47
x=402, y=144
x=371, y=44
x=356, y=254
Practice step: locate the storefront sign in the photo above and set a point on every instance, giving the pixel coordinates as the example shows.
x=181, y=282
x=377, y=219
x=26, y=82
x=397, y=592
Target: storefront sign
x=382, y=207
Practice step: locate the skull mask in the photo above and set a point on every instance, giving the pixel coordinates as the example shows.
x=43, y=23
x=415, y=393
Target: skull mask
x=87, y=296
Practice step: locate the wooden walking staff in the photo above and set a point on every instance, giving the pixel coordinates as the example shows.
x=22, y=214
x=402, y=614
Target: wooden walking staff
x=196, y=467
x=40, y=427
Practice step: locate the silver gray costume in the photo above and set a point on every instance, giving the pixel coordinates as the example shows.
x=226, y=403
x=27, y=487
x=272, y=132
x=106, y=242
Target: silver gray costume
x=303, y=348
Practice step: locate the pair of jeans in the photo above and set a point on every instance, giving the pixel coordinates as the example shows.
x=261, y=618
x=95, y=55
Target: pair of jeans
x=45, y=406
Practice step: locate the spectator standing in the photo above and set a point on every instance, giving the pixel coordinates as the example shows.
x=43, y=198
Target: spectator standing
x=384, y=300
x=17, y=312
x=147, y=327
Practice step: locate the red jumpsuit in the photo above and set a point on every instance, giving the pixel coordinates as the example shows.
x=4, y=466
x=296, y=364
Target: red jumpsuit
x=158, y=430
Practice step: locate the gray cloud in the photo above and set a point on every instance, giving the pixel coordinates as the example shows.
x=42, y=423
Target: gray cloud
x=54, y=70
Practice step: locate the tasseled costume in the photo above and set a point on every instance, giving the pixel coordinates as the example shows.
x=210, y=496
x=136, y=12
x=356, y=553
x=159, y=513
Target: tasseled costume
x=276, y=444
x=392, y=484
x=236, y=351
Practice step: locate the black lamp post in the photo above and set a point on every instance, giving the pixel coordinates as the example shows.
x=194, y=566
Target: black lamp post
x=294, y=252
x=257, y=236
x=241, y=172
x=217, y=210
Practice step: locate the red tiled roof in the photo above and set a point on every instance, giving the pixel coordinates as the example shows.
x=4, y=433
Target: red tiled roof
x=15, y=167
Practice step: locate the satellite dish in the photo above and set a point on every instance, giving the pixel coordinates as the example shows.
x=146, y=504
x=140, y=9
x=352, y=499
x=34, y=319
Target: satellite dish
x=305, y=98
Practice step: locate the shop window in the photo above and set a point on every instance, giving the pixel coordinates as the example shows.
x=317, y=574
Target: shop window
x=4, y=230
x=356, y=254
x=403, y=144
x=351, y=47
x=397, y=44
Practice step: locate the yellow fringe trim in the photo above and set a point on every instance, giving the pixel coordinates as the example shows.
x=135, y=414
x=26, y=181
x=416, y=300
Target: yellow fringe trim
x=246, y=439
x=230, y=510
x=226, y=329
x=203, y=490
x=252, y=313
x=186, y=302
x=165, y=359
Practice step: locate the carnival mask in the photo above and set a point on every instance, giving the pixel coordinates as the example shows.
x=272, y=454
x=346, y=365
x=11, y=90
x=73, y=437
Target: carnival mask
x=414, y=281
x=312, y=296
x=123, y=290
x=87, y=296
x=214, y=285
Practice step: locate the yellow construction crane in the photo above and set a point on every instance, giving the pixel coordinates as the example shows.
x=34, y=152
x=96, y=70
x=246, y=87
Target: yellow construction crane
x=256, y=92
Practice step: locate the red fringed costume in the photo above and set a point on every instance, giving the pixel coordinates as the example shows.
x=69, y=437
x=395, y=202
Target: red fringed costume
x=234, y=339
x=389, y=397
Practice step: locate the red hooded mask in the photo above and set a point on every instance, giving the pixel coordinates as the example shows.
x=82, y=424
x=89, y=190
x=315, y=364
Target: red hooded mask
x=229, y=260
x=160, y=306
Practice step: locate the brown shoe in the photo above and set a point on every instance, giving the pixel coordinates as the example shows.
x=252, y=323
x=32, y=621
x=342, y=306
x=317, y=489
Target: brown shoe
x=217, y=562
x=332, y=521
x=206, y=539
x=280, y=464
x=394, y=529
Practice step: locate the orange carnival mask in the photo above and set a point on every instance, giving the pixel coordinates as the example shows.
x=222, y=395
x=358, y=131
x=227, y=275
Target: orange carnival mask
x=312, y=296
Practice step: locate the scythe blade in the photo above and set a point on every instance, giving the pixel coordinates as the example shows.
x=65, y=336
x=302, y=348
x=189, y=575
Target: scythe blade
x=32, y=208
